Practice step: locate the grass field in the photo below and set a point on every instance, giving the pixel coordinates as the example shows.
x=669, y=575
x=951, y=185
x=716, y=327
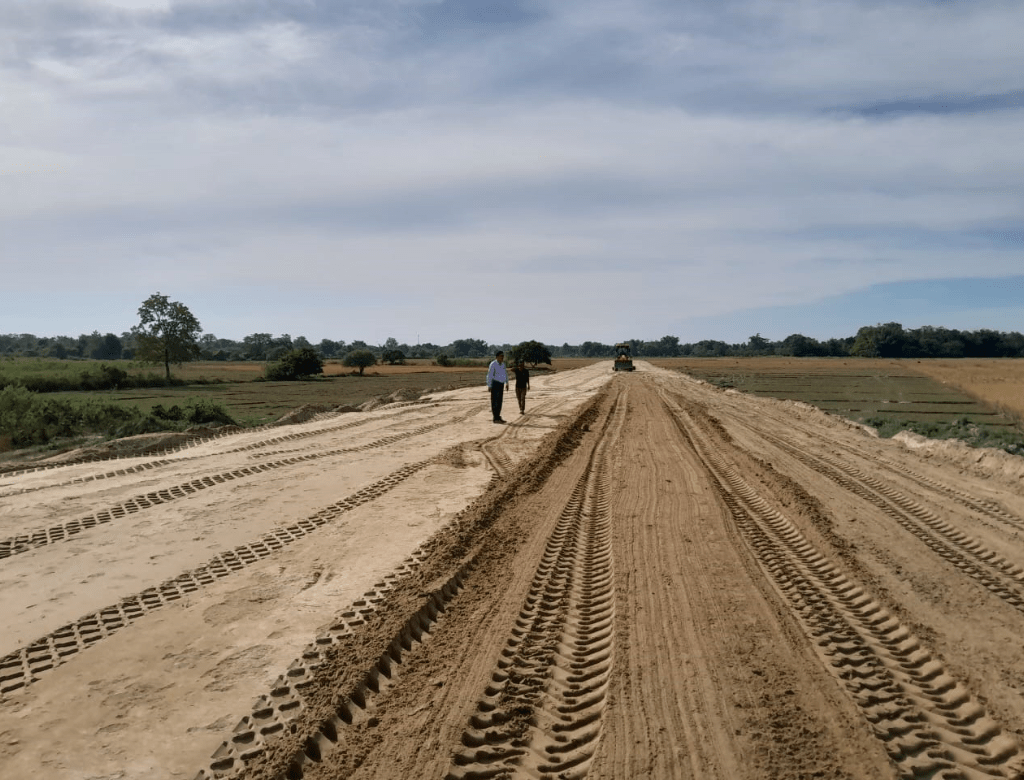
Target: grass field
x=890, y=395
x=256, y=403
x=981, y=401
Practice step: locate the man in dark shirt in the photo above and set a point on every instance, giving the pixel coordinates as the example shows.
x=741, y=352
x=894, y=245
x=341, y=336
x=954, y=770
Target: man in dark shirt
x=522, y=385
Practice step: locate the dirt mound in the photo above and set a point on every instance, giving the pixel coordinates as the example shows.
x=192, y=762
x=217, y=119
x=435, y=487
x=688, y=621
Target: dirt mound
x=304, y=413
x=143, y=444
x=404, y=394
x=983, y=461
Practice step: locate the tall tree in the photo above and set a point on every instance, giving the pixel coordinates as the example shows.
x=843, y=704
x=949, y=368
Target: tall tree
x=167, y=332
x=532, y=352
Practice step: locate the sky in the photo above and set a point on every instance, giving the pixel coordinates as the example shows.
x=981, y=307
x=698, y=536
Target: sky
x=557, y=170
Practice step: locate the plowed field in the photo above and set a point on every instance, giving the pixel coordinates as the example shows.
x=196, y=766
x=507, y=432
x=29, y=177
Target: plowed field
x=644, y=576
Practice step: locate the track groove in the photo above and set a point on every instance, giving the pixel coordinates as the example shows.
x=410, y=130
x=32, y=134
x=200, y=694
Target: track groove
x=23, y=667
x=929, y=723
x=1001, y=577
x=541, y=714
x=59, y=533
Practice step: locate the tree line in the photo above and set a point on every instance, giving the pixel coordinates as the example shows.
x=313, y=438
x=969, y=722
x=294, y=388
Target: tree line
x=889, y=340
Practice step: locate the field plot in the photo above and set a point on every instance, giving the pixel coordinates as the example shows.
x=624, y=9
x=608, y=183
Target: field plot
x=644, y=576
x=999, y=383
x=861, y=389
x=256, y=403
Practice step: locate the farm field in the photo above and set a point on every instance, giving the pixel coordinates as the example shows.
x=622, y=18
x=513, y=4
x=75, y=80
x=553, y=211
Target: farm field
x=644, y=576
x=256, y=403
x=983, y=392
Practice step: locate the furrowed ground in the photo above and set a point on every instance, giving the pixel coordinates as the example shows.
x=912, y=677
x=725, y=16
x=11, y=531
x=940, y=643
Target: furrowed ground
x=644, y=576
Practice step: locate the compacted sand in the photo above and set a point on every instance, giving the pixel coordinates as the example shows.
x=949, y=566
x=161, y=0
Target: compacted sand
x=643, y=577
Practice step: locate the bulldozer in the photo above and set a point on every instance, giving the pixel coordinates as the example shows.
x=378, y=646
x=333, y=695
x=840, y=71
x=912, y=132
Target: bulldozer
x=623, y=362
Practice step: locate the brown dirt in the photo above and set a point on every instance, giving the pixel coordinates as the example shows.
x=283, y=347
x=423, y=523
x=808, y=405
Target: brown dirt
x=643, y=577
x=997, y=382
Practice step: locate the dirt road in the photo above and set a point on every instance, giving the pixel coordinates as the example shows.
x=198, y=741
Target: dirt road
x=643, y=577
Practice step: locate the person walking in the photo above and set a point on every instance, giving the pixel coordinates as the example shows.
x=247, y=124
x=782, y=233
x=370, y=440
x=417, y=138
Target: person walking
x=497, y=383
x=522, y=385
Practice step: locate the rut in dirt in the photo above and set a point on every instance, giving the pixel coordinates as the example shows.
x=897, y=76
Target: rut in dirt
x=929, y=722
x=316, y=728
x=541, y=714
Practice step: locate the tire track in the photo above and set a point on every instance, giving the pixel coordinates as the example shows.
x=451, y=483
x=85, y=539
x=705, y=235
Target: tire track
x=273, y=712
x=295, y=708
x=928, y=722
x=23, y=667
x=990, y=509
x=542, y=713
x=41, y=537
x=164, y=461
x=995, y=573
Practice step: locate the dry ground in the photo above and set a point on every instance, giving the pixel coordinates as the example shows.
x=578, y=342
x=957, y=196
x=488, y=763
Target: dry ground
x=996, y=382
x=643, y=577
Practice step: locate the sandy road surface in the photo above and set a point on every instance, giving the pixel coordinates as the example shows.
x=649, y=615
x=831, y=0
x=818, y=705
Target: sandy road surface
x=642, y=577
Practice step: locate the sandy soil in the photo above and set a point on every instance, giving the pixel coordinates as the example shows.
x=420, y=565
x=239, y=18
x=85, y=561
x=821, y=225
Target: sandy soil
x=644, y=576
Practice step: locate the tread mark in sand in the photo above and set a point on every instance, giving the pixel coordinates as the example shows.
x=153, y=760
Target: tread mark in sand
x=982, y=506
x=928, y=722
x=584, y=651
x=272, y=712
x=41, y=537
x=1001, y=577
x=191, y=444
x=542, y=713
x=23, y=667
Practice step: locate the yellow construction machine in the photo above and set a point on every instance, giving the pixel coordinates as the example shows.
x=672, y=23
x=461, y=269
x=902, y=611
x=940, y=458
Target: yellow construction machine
x=623, y=362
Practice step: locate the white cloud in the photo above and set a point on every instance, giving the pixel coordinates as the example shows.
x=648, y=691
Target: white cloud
x=713, y=156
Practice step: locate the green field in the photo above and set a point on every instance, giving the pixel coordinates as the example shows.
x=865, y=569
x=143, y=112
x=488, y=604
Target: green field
x=256, y=403
x=885, y=394
x=34, y=423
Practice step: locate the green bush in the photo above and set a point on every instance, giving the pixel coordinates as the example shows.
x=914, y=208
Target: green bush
x=360, y=358
x=297, y=364
x=1007, y=439
x=28, y=418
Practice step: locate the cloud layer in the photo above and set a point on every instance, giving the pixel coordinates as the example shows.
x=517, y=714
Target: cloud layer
x=562, y=171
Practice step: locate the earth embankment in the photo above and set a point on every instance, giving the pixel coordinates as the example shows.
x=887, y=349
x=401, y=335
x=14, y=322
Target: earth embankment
x=644, y=576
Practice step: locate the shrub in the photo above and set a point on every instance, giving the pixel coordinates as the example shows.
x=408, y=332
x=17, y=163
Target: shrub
x=360, y=358
x=27, y=418
x=297, y=364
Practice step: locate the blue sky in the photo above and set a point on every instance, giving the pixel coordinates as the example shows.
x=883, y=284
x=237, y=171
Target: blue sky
x=565, y=171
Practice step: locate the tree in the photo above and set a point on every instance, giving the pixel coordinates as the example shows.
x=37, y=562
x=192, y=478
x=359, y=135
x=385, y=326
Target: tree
x=257, y=344
x=758, y=345
x=297, y=364
x=469, y=348
x=532, y=352
x=167, y=332
x=109, y=348
x=393, y=356
x=667, y=346
x=329, y=348
x=593, y=349
x=360, y=358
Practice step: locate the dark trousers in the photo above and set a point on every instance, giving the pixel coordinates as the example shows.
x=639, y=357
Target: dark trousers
x=521, y=397
x=497, y=396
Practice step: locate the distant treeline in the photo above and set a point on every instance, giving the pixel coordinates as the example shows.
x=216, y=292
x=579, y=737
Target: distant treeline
x=890, y=340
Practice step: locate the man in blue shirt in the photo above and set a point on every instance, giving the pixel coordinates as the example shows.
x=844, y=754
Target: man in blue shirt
x=497, y=383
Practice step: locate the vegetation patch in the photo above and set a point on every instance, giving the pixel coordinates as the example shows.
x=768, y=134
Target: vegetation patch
x=1007, y=439
x=28, y=418
x=889, y=395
